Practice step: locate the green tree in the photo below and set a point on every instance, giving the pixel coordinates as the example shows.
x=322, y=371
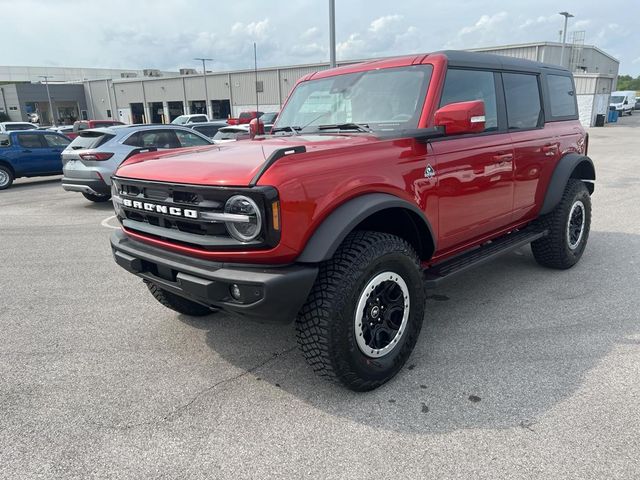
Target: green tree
x=627, y=82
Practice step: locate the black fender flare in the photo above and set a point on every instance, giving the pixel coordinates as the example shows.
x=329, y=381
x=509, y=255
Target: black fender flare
x=335, y=227
x=572, y=165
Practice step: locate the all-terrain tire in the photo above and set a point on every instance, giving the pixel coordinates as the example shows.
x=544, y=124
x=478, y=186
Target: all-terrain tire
x=555, y=250
x=177, y=303
x=327, y=324
x=6, y=177
x=97, y=198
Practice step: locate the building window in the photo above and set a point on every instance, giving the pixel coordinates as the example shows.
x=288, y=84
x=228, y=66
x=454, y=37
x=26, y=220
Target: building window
x=108, y=113
x=13, y=108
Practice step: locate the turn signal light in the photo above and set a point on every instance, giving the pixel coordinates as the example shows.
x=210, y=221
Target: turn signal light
x=96, y=157
x=275, y=211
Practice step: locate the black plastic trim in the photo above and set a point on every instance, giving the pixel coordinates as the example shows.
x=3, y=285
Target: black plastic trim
x=560, y=177
x=275, y=293
x=273, y=158
x=333, y=230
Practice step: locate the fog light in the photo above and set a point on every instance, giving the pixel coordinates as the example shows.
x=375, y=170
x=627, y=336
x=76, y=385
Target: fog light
x=235, y=291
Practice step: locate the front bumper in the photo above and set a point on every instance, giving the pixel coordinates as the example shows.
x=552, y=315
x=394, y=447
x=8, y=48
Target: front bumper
x=268, y=293
x=91, y=186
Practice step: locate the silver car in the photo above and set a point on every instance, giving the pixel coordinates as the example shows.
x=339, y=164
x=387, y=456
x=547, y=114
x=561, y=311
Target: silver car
x=94, y=155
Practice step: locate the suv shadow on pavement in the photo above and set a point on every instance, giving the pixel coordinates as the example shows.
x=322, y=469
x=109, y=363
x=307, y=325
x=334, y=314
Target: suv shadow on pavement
x=502, y=345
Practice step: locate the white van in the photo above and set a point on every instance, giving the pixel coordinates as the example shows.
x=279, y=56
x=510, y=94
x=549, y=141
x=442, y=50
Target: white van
x=623, y=101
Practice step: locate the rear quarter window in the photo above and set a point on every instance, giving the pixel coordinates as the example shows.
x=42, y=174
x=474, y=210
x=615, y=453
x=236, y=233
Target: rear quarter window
x=562, y=96
x=5, y=140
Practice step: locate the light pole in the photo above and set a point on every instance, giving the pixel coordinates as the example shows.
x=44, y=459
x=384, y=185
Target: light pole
x=566, y=16
x=206, y=91
x=332, y=33
x=52, y=117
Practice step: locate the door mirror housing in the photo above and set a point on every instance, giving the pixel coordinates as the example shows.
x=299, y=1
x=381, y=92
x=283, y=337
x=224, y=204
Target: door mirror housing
x=461, y=117
x=256, y=127
x=626, y=102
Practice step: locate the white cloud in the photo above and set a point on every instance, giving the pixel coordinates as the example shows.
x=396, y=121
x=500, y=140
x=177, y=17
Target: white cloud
x=385, y=22
x=485, y=23
x=167, y=34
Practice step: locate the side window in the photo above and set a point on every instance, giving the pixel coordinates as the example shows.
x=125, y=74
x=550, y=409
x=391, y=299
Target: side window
x=199, y=119
x=5, y=140
x=82, y=126
x=27, y=140
x=467, y=85
x=562, y=96
x=159, y=139
x=188, y=139
x=56, y=141
x=522, y=94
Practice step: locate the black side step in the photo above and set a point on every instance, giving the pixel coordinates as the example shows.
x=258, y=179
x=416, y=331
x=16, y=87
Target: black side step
x=490, y=250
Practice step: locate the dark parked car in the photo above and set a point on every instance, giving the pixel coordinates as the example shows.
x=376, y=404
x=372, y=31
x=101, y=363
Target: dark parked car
x=30, y=153
x=208, y=129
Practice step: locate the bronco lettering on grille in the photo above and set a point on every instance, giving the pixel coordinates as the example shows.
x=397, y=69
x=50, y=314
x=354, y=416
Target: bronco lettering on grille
x=154, y=207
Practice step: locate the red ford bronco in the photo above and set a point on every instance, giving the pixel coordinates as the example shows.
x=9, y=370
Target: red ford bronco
x=378, y=180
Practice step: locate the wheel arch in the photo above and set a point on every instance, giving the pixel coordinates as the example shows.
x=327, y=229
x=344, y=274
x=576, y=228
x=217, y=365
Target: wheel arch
x=5, y=163
x=375, y=211
x=572, y=165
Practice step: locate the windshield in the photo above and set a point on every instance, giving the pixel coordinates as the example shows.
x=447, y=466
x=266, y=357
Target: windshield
x=385, y=99
x=617, y=99
x=181, y=120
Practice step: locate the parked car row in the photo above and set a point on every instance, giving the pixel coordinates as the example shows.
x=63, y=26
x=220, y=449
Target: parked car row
x=89, y=151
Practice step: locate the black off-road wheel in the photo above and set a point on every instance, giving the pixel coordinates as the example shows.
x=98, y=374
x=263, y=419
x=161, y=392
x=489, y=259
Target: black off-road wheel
x=6, y=177
x=97, y=198
x=177, y=303
x=364, y=313
x=568, y=225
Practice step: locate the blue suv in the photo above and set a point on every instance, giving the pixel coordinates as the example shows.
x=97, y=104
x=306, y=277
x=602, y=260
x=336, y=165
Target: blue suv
x=30, y=153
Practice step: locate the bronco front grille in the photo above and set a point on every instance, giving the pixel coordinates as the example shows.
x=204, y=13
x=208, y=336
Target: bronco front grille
x=175, y=212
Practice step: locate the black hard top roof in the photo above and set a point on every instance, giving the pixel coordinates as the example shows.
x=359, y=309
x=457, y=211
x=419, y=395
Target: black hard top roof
x=459, y=58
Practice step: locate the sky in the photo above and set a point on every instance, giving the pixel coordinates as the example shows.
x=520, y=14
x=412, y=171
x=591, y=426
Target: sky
x=169, y=34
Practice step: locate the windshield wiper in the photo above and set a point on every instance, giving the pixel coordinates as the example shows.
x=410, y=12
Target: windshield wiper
x=288, y=128
x=360, y=127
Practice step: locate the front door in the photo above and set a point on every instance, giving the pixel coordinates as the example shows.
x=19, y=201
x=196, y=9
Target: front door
x=474, y=172
x=32, y=154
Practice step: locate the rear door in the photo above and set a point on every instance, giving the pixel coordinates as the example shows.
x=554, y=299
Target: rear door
x=474, y=172
x=55, y=145
x=32, y=154
x=536, y=146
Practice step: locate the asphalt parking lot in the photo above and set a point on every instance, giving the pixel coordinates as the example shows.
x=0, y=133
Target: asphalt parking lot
x=520, y=372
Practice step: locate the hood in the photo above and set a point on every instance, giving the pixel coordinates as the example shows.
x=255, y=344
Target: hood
x=229, y=164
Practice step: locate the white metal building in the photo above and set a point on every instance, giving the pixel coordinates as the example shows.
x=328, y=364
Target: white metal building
x=158, y=100
x=14, y=74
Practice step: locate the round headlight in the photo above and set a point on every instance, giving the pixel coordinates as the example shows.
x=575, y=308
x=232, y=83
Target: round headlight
x=247, y=227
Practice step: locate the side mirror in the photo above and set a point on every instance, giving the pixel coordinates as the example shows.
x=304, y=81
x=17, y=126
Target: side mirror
x=256, y=127
x=626, y=102
x=461, y=117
